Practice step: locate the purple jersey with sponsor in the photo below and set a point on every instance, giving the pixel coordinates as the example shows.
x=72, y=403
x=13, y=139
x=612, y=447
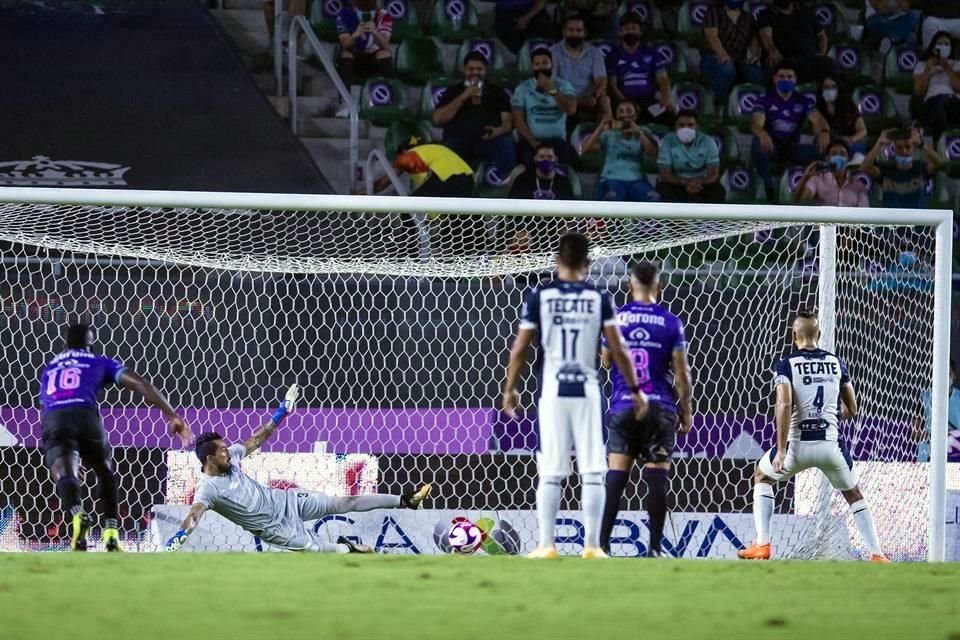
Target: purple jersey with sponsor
x=636, y=72
x=75, y=378
x=652, y=334
x=784, y=117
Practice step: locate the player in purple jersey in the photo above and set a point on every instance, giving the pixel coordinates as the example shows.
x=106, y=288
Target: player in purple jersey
x=655, y=339
x=70, y=385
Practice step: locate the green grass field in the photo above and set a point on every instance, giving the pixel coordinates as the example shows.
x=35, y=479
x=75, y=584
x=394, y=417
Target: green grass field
x=267, y=596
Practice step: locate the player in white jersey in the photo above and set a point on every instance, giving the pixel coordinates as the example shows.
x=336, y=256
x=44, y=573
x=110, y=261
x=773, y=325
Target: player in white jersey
x=569, y=315
x=276, y=516
x=814, y=393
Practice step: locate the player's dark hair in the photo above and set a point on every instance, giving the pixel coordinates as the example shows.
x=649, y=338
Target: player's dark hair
x=545, y=145
x=573, y=16
x=784, y=65
x=76, y=337
x=646, y=273
x=205, y=445
x=475, y=56
x=631, y=18
x=541, y=51
x=573, y=250
x=806, y=315
x=688, y=113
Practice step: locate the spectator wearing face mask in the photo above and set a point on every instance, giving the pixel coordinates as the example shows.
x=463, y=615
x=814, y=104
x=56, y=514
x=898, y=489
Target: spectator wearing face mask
x=936, y=79
x=689, y=164
x=582, y=65
x=731, y=49
x=541, y=105
x=637, y=74
x=831, y=184
x=889, y=23
x=904, y=178
x=841, y=115
x=624, y=146
x=791, y=32
x=544, y=182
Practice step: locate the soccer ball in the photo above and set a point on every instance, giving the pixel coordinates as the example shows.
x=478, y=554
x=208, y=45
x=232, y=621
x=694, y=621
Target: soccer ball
x=464, y=537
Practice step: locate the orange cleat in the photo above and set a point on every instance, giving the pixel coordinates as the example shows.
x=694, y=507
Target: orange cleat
x=755, y=552
x=543, y=553
x=593, y=552
x=879, y=558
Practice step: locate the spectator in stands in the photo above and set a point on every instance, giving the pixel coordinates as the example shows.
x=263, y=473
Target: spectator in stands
x=364, y=34
x=636, y=73
x=903, y=179
x=791, y=32
x=689, y=163
x=600, y=17
x=777, y=120
x=518, y=20
x=541, y=105
x=842, y=117
x=890, y=23
x=921, y=425
x=940, y=16
x=476, y=117
x=831, y=183
x=731, y=51
x=544, y=182
x=435, y=170
x=936, y=79
x=582, y=65
x=624, y=146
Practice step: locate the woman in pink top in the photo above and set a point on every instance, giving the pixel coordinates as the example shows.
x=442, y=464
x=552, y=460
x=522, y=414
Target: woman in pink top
x=831, y=184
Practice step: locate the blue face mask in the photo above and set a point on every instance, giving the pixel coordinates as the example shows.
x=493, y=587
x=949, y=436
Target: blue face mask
x=838, y=162
x=786, y=86
x=546, y=166
x=734, y=4
x=905, y=160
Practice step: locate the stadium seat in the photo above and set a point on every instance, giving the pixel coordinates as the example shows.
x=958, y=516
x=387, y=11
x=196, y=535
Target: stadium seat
x=400, y=131
x=489, y=182
x=383, y=101
x=809, y=92
x=898, y=69
x=877, y=108
x=949, y=150
x=323, y=18
x=873, y=189
x=672, y=53
x=431, y=94
x=575, y=185
x=938, y=193
x=494, y=52
x=591, y=162
x=854, y=61
x=406, y=22
x=743, y=98
x=690, y=17
x=657, y=132
x=832, y=21
x=743, y=186
x=726, y=141
x=690, y=95
x=454, y=21
x=788, y=182
x=418, y=61
x=605, y=47
x=523, y=56
x=649, y=13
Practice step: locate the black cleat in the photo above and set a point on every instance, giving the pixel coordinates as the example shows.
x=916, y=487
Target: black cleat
x=355, y=547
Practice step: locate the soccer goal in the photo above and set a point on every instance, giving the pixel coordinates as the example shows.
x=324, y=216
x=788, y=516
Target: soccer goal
x=395, y=316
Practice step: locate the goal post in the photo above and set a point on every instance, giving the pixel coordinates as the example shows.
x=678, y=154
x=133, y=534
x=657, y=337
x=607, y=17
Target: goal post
x=265, y=288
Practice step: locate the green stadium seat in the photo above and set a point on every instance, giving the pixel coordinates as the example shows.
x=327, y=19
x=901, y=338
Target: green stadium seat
x=788, y=182
x=489, y=182
x=740, y=107
x=876, y=195
x=605, y=46
x=418, y=61
x=323, y=18
x=406, y=23
x=575, y=185
x=590, y=162
x=938, y=193
x=743, y=186
x=690, y=17
x=523, y=56
x=832, y=20
x=854, y=61
x=726, y=140
x=877, y=108
x=494, y=52
x=649, y=13
x=383, y=101
x=949, y=150
x=898, y=69
x=691, y=95
x=809, y=92
x=400, y=131
x=431, y=94
x=454, y=21
x=672, y=53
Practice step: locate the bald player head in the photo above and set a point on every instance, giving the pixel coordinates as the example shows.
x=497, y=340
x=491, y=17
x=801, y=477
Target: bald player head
x=806, y=330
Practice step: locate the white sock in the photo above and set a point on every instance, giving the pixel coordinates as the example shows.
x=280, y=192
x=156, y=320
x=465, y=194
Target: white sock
x=594, y=498
x=548, y=503
x=864, y=520
x=762, y=510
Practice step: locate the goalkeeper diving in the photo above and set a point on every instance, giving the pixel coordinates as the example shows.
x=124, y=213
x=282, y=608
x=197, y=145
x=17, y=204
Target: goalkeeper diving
x=276, y=516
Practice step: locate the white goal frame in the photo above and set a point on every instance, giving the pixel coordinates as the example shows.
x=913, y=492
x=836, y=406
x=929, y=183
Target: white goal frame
x=827, y=217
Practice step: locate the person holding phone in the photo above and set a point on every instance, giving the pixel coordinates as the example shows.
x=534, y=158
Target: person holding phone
x=831, y=183
x=902, y=178
x=936, y=79
x=364, y=33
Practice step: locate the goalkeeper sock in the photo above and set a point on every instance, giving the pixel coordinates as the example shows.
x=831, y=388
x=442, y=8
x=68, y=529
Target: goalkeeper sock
x=762, y=510
x=616, y=483
x=548, y=504
x=593, y=504
x=68, y=490
x=864, y=520
x=655, y=503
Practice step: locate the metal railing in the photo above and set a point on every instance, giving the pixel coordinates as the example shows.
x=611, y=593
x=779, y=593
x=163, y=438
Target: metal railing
x=419, y=219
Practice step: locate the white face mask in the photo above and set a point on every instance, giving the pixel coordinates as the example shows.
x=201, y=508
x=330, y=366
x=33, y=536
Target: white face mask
x=944, y=50
x=830, y=95
x=686, y=134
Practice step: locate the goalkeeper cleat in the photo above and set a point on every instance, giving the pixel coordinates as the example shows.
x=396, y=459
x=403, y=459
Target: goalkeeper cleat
x=653, y=553
x=354, y=547
x=79, y=531
x=543, y=553
x=112, y=540
x=593, y=553
x=755, y=552
x=879, y=558
x=415, y=500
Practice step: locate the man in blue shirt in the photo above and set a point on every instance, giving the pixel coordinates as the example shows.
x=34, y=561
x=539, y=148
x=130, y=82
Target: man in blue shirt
x=635, y=72
x=904, y=177
x=921, y=427
x=541, y=105
x=777, y=120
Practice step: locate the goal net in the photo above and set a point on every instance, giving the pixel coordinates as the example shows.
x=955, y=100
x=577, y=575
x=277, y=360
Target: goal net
x=396, y=325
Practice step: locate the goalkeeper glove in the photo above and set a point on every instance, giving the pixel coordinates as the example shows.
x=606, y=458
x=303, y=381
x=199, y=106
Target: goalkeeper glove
x=177, y=540
x=287, y=405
